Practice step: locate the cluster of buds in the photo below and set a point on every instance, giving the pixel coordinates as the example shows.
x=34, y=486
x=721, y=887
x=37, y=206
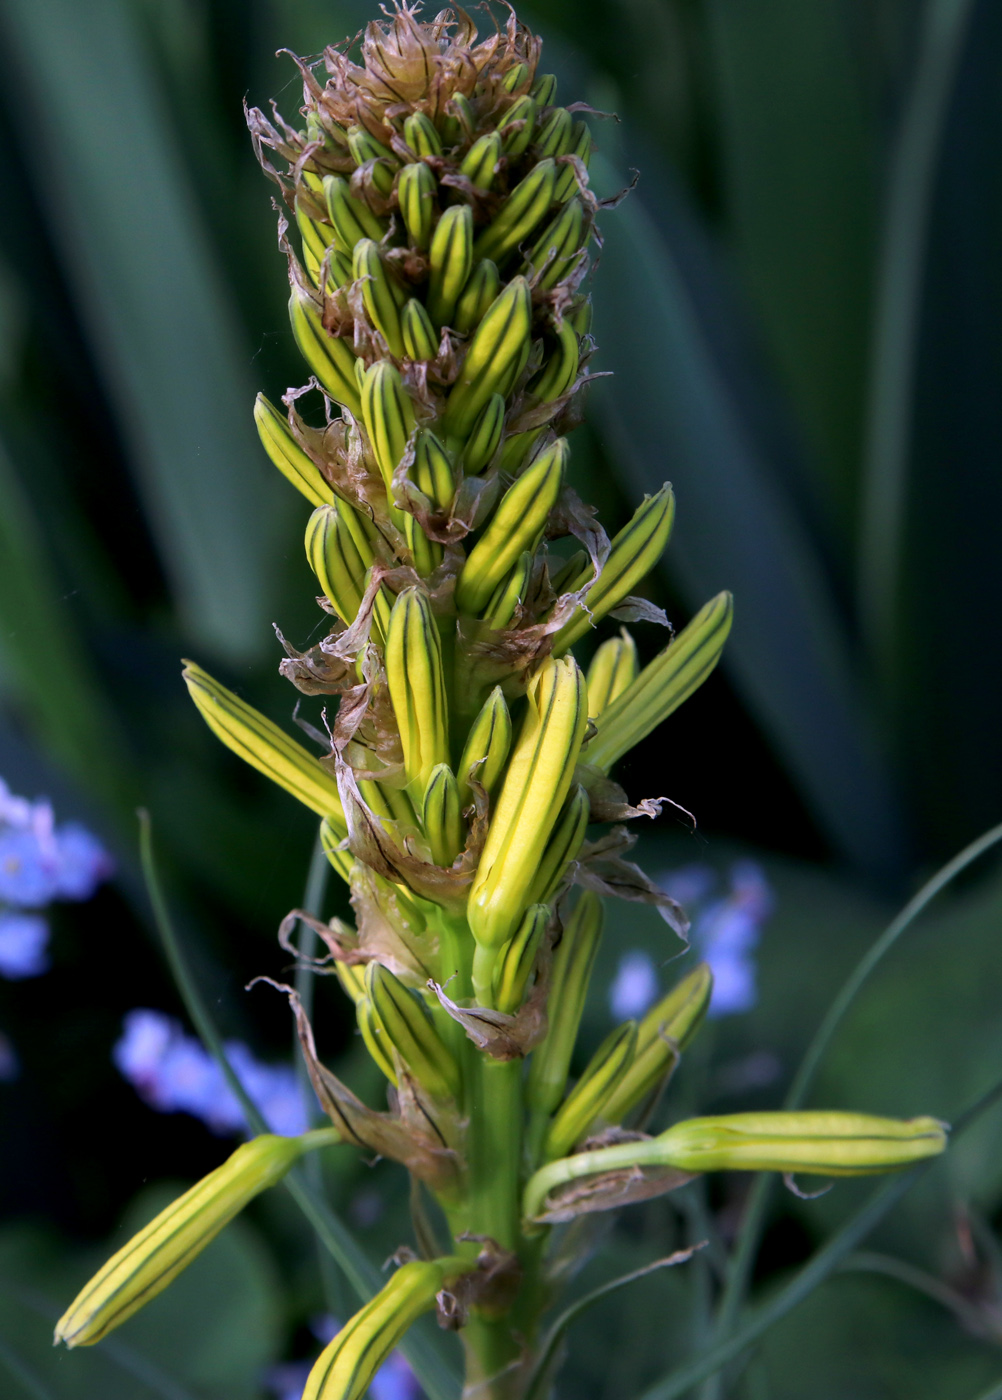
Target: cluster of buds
x=439, y=227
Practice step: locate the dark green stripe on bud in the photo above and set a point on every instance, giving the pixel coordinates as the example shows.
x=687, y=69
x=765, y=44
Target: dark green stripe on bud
x=416, y=200
x=663, y=685
x=337, y=560
x=517, y=960
x=450, y=261
x=519, y=215
x=477, y=296
x=567, y=180
x=388, y=415
x=426, y=554
x=374, y=1037
x=364, y=146
x=561, y=368
x=419, y=338
x=517, y=126
x=479, y=165
x=290, y=459
x=432, y=472
x=613, y=668
x=634, y=553
x=495, y=351
x=555, y=134
x=351, y=218
x=330, y=358
x=509, y=595
x=485, y=439
x=585, y=1104
x=441, y=816
x=544, y=89
x=381, y=294
x=557, y=249
x=421, y=135
x=486, y=749
x=516, y=77
x=416, y=684
x=403, y=1019
x=516, y=527
x=562, y=847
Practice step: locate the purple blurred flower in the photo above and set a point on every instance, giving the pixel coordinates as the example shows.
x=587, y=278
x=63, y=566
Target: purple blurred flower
x=393, y=1381
x=39, y=861
x=24, y=942
x=173, y=1074
x=635, y=985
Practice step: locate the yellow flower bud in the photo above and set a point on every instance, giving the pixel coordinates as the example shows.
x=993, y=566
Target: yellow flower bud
x=330, y=357
x=613, y=668
x=562, y=847
x=450, y=260
x=416, y=196
x=402, y=1017
x=351, y=218
x=382, y=295
x=517, y=959
x=441, y=816
x=586, y=1101
x=480, y=163
x=495, y=350
x=477, y=296
x=416, y=684
x=486, y=750
x=519, y=215
x=388, y=415
x=288, y=456
x=421, y=136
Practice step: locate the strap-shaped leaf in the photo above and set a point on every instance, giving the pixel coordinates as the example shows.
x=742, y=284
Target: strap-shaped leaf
x=264, y=746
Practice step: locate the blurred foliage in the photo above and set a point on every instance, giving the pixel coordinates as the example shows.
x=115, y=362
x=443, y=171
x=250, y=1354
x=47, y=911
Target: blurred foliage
x=801, y=303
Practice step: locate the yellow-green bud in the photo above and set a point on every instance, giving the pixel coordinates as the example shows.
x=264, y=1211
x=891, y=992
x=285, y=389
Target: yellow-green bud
x=352, y=979
x=339, y=550
x=416, y=684
x=381, y=294
x=330, y=357
x=516, y=77
x=544, y=89
x=586, y=1101
x=479, y=165
x=315, y=240
x=375, y=1039
x=403, y=1019
x=331, y=836
x=634, y=552
x=486, y=749
x=432, y=472
x=613, y=668
x=364, y=146
x=517, y=526
x=450, y=261
x=351, y=218
x=477, y=296
x=497, y=347
x=288, y=456
x=416, y=198
x=517, y=960
x=420, y=340
x=517, y=126
x=517, y=449
x=519, y=215
x=663, y=685
x=388, y=415
x=156, y=1255
x=485, y=438
x=562, y=847
x=509, y=595
x=567, y=180
x=421, y=136
x=557, y=249
x=537, y=781
x=441, y=816
x=561, y=368
x=556, y=134
x=426, y=554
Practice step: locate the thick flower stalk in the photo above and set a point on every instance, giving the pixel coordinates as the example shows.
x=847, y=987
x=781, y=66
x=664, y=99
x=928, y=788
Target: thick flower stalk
x=439, y=229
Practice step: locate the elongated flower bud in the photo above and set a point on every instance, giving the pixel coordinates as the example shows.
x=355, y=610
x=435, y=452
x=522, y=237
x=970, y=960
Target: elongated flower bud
x=663, y=685
x=352, y=219
x=555, y=134
x=388, y=415
x=382, y=297
x=264, y=746
x=567, y=180
x=486, y=750
x=288, y=456
x=635, y=551
x=538, y=779
x=477, y=296
x=339, y=556
x=408, y=1028
x=517, y=126
x=345, y=1368
x=518, y=958
x=481, y=161
x=561, y=368
x=432, y=471
x=441, y=816
x=156, y=1255
x=426, y=554
x=663, y=1034
x=556, y=250
x=416, y=684
x=517, y=526
x=352, y=979
x=562, y=847
x=332, y=833
x=374, y=1037
x=544, y=89
x=416, y=190
x=486, y=436
x=495, y=350
x=509, y=595
x=419, y=338
x=586, y=1101
x=421, y=136
x=329, y=357
x=523, y=210
x=450, y=261
x=613, y=668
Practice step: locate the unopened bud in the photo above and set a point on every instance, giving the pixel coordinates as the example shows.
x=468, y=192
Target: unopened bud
x=381, y=294
x=585, y=1104
x=477, y=296
x=557, y=249
x=613, y=668
x=416, y=683
x=421, y=136
x=509, y=595
x=432, y=472
x=485, y=438
x=495, y=350
x=330, y=357
x=518, y=958
x=556, y=134
x=544, y=89
x=441, y=816
x=567, y=180
x=519, y=215
x=288, y=456
x=450, y=261
x=486, y=749
x=388, y=415
x=562, y=847
x=517, y=126
x=561, y=368
x=419, y=338
x=351, y=218
x=416, y=198
x=404, y=1020
x=516, y=77
x=480, y=163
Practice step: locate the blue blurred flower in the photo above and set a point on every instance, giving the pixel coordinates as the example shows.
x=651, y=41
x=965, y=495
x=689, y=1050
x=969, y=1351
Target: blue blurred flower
x=39, y=861
x=635, y=985
x=174, y=1074
x=10, y=1065
x=24, y=942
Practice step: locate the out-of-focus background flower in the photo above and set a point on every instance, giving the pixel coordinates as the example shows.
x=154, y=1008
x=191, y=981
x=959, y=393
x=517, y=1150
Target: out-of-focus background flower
x=801, y=302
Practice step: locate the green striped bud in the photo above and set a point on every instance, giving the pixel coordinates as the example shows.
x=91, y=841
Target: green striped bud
x=580, y=316
x=486, y=750
x=402, y=1017
x=555, y=135
x=364, y=148
x=461, y=116
x=517, y=960
x=551, y=1061
x=382, y=296
x=559, y=372
x=352, y=979
x=449, y=262
x=157, y=1254
x=351, y=218
x=346, y=1367
x=485, y=439
x=517, y=449
x=544, y=89
x=520, y=213
x=516, y=77
x=477, y=296
x=479, y=165
x=416, y=684
x=567, y=180
x=336, y=559
x=557, y=249
x=420, y=340
x=416, y=199
x=421, y=136
x=634, y=553
x=388, y=415
x=613, y=668
x=497, y=347
x=586, y=1101
x=426, y=554
x=331, y=836
x=517, y=526
x=441, y=816
x=330, y=358
x=664, y=1033
x=264, y=746
x=562, y=847
x=375, y=1040
x=539, y=776
x=315, y=240
x=331, y=135
x=290, y=459
x=388, y=802
x=509, y=595
x=432, y=472
x=663, y=685
x=517, y=126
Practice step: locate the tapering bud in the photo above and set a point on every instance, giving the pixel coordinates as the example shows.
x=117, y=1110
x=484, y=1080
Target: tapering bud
x=494, y=353
x=544, y=89
x=560, y=370
x=516, y=77
x=509, y=595
x=374, y=1037
x=352, y=979
x=404, y=1020
x=518, y=958
x=480, y=163
x=416, y=198
x=288, y=456
x=315, y=242
x=572, y=964
x=486, y=749
x=539, y=776
x=558, y=247
x=461, y=121
x=555, y=134
x=388, y=415
x=351, y=218
x=366, y=150
x=416, y=684
x=330, y=357
x=516, y=527
x=264, y=746
x=381, y=294
x=332, y=834
x=517, y=126
x=419, y=338
x=562, y=847
x=426, y=554
x=157, y=1254
x=477, y=296
x=339, y=552
x=519, y=215
x=663, y=685
x=432, y=472
x=585, y=1104
x=485, y=438
x=421, y=136
x=441, y=816
x=613, y=668
x=450, y=261
x=567, y=181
